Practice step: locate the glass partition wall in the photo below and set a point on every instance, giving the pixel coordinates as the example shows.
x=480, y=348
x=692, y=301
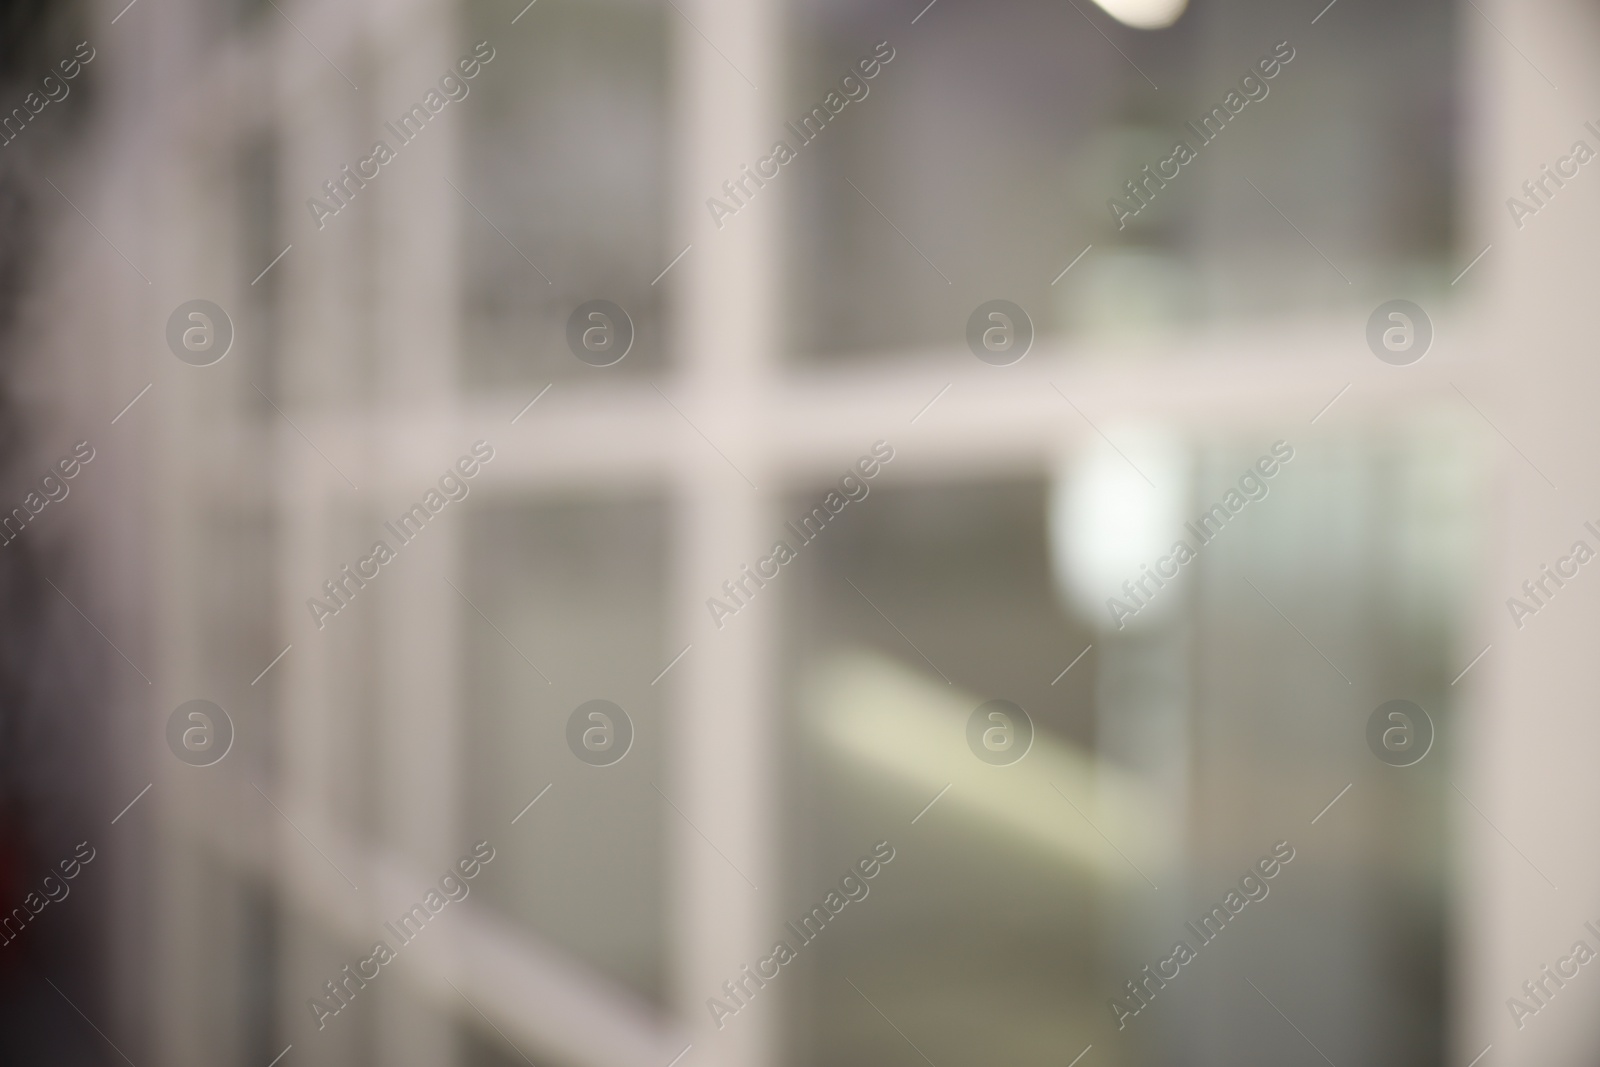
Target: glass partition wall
x=795, y=718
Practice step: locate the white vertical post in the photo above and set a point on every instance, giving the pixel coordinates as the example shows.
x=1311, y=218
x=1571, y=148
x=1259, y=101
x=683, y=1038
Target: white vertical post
x=413, y=335
x=720, y=769
x=1530, y=730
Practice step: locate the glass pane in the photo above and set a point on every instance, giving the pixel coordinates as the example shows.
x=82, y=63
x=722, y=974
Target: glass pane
x=986, y=155
x=565, y=155
x=572, y=601
x=1183, y=757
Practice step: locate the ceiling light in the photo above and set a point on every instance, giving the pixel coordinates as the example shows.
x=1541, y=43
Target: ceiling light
x=1144, y=14
x=1113, y=513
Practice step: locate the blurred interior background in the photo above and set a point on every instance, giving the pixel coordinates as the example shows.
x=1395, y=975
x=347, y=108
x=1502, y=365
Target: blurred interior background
x=774, y=748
